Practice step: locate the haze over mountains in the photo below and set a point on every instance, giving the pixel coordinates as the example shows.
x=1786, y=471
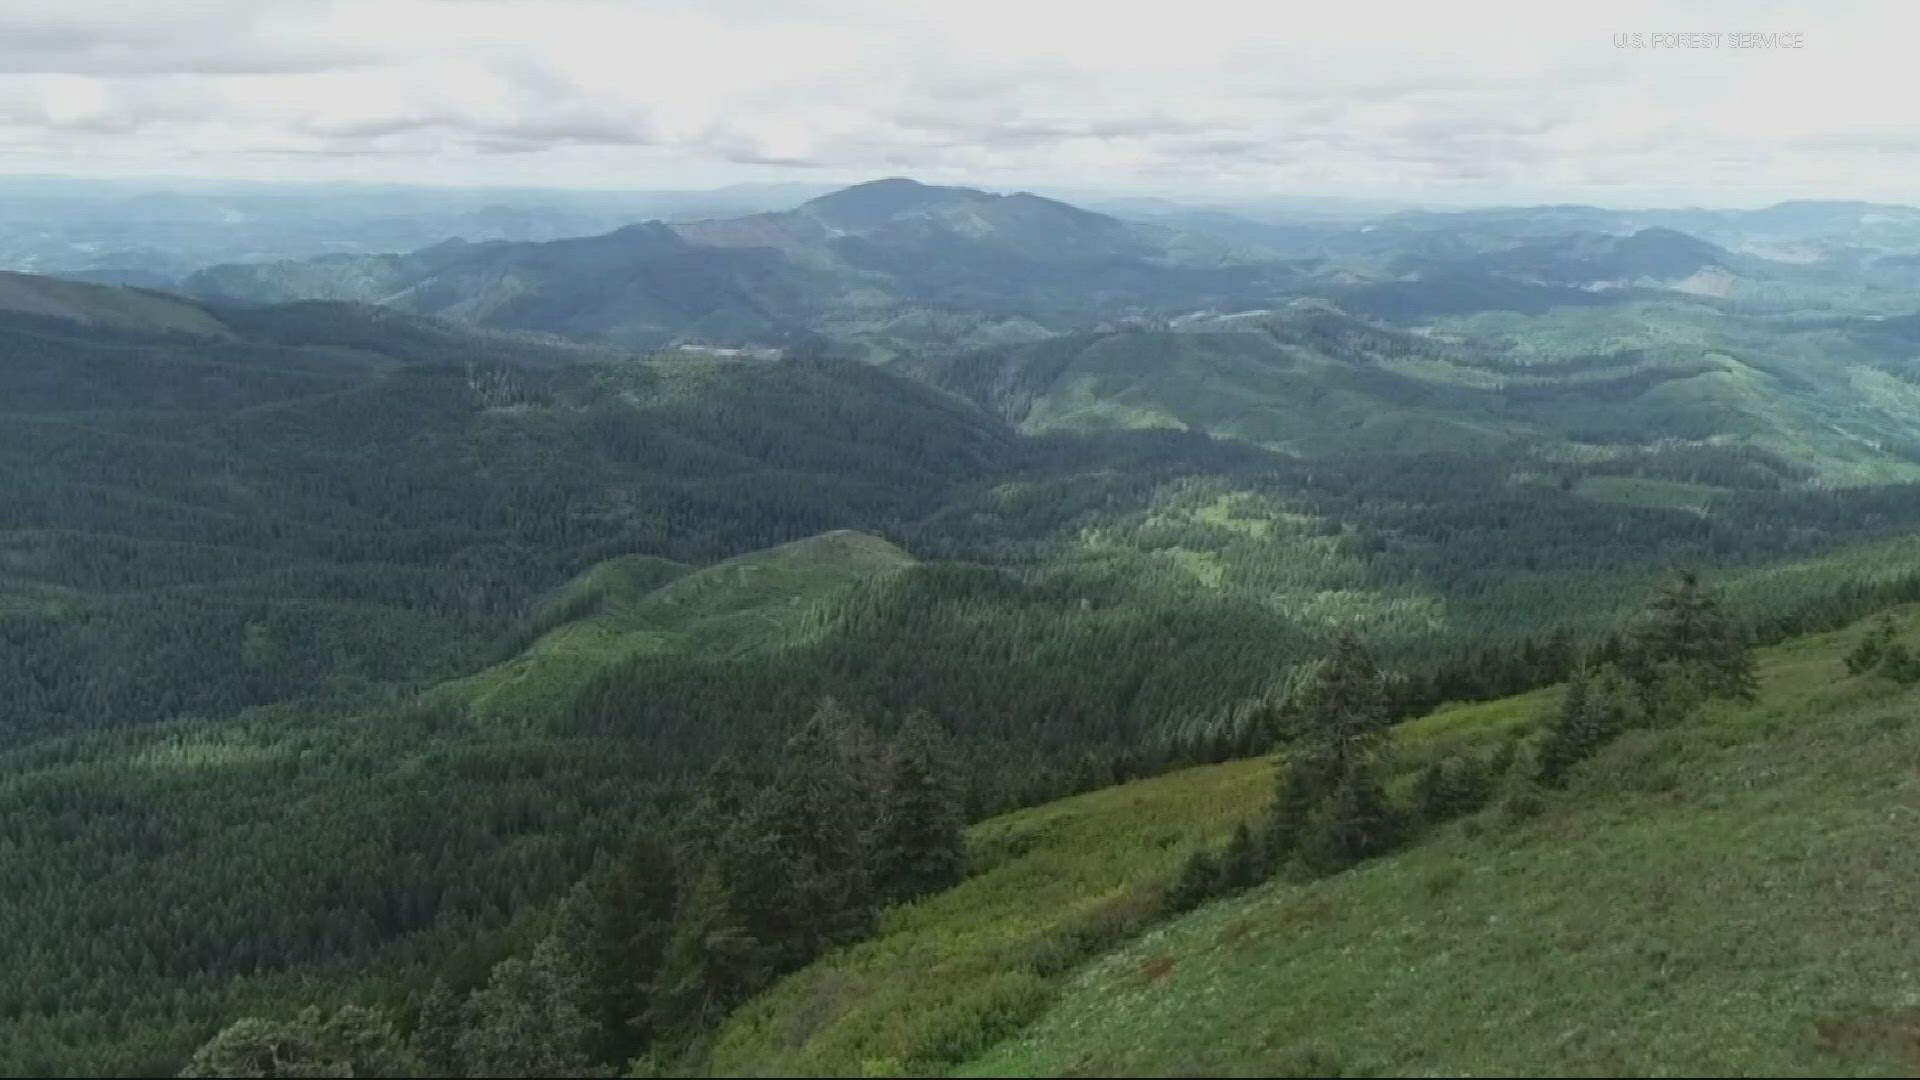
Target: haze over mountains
x=894, y=265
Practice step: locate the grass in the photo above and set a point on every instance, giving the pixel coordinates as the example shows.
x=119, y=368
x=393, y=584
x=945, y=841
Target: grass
x=1642, y=491
x=637, y=606
x=1733, y=896
x=1053, y=886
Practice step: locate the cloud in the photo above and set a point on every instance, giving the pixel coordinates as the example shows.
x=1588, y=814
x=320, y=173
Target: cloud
x=191, y=37
x=1208, y=92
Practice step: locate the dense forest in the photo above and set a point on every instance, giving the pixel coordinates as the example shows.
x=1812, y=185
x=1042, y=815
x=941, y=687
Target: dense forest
x=397, y=683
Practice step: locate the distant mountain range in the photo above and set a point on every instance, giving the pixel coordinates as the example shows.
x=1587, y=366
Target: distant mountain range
x=895, y=266
x=893, y=262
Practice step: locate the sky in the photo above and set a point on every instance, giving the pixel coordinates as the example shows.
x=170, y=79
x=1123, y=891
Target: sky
x=1435, y=102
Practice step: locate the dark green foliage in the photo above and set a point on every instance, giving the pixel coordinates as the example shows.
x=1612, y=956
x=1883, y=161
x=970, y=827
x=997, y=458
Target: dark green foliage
x=1873, y=644
x=1244, y=862
x=1353, y=821
x=920, y=843
x=1595, y=708
x=1451, y=788
x=1331, y=809
x=1684, y=637
x=631, y=906
x=844, y=824
x=818, y=816
x=437, y=1026
x=353, y=1041
x=1899, y=663
x=1199, y=881
x=229, y=563
x=531, y=1019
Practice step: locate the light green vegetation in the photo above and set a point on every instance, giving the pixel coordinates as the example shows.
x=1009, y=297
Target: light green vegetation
x=1728, y=897
x=1052, y=886
x=1639, y=491
x=105, y=305
x=618, y=611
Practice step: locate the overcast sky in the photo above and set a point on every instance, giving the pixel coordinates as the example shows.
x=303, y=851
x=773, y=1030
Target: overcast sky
x=1432, y=101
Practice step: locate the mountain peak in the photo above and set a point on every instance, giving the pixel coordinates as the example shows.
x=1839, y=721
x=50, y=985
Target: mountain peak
x=877, y=201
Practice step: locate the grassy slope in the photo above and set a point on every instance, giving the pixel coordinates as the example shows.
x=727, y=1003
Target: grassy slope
x=1053, y=886
x=758, y=602
x=109, y=305
x=1729, y=897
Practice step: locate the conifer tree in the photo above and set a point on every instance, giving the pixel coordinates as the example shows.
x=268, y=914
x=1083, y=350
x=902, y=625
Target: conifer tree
x=1866, y=655
x=820, y=817
x=354, y=1041
x=1432, y=793
x=920, y=845
x=1331, y=809
x=712, y=960
x=528, y=1020
x=1242, y=863
x=1198, y=882
x=1685, y=636
x=1897, y=662
x=1593, y=710
x=436, y=1032
x=631, y=912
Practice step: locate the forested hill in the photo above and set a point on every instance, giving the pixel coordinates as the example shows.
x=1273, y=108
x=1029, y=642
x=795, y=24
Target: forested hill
x=339, y=640
x=891, y=263
x=329, y=497
x=1835, y=398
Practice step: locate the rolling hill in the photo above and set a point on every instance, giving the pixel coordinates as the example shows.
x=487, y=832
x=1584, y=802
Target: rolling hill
x=1835, y=399
x=323, y=585
x=891, y=262
x=1720, y=897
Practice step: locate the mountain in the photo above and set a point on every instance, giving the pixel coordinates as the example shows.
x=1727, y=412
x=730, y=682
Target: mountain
x=155, y=233
x=337, y=480
x=103, y=305
x=340, y=639
x=1661, y=914
x=1835, y=398
x=892, y=263
x=895, y=267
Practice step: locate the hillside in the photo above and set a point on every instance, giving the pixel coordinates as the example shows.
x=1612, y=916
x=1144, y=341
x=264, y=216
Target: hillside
x=1834, y=399
x=104, y=305
x=1722, y=897
x=368, y=502
x=292, y=597
x=891, y=264
x=621, y=613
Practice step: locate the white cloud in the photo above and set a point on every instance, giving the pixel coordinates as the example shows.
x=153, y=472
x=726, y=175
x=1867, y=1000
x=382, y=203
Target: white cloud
x=1500, y=99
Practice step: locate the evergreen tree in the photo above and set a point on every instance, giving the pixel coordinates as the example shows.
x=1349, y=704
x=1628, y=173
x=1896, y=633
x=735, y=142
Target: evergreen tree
x=1897, y=662
x=352, y=1042
x=921, y=842
x=1866, y=655
x=820, y=817
x=528, y=1020
x=632, y=910
x=1242, y=864
x=436, y=1032
x=1684, y=631
x=1432, y=793
x=712, y=961
x=1331, y=809
x=1356, y=821
x=1594, y=709
x=1198, y=882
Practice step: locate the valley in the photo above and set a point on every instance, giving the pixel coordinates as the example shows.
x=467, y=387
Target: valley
x=362, y=612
